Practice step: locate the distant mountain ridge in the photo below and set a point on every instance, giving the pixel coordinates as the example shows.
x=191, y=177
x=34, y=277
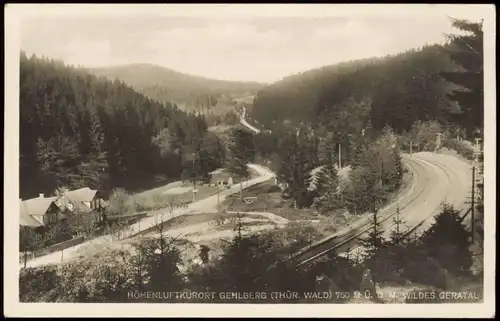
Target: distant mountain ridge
x=187, y=91
x=145, y=74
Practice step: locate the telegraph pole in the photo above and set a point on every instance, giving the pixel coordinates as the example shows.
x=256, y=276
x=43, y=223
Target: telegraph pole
x=218, y=201
x=340, y=156
x=438, y=142
x=472, y=202
x=397, y=217
x=375, y=224
x=194, y=179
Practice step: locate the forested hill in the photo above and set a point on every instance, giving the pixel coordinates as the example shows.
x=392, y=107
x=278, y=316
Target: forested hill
x=401, y=88
x=189, y=92
x=80, y=130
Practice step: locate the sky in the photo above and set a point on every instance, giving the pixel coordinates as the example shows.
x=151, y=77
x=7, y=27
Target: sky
x=228, y=47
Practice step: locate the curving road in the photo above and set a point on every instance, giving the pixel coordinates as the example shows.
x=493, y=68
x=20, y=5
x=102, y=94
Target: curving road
x=208, y=204
x=246, y=124
x=437, y=178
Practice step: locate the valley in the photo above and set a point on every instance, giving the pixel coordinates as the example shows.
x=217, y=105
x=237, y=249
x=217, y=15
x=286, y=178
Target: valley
x=363, y=175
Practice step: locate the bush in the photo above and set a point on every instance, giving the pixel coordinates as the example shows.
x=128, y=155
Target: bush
x=120, y=203
x=424, y=134
x=38, y=284
x=460, y=147
x=273, y=189
x=427, y=271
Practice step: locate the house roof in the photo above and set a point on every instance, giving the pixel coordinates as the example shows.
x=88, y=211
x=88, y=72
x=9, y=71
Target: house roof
x=25, y=219
x=39, y=205
x=78, y=199
x=84, y=194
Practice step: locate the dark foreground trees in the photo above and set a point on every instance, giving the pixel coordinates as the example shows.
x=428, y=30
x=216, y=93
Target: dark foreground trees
x=437, y=258
x=466, y=50
x=452, y=252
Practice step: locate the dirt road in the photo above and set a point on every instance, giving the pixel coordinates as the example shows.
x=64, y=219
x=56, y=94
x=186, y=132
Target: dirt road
x=208, y=204
x=246, y=124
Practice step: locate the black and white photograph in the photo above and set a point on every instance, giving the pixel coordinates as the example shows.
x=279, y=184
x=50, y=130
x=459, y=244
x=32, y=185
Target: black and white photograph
x=251, y=154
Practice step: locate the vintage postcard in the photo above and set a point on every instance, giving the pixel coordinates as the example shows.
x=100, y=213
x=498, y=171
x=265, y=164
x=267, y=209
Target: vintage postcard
x=250, y=160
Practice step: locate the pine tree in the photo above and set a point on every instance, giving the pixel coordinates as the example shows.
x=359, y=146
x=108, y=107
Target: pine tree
x=397, y=236
x=239, y=228
x=329, y=197
x=327, y=149
x=30, y=241
x=397, y=250
x=376, y=247
x=77, y=130
x=241, y=152
x=374, y=241
x=296, y=170
x=212, y=153
x=58, y=160
x=448, y=241
x=467, y=51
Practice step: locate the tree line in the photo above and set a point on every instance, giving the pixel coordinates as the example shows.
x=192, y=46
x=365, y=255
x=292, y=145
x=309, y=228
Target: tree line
x=80, y=130
x=364, y=112
x=190, y=93
x=304, y=155
x=436, y=82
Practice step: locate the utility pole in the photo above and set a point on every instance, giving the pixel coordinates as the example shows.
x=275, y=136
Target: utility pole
x=340, y=156
x=218, y=201
x=472, y=201
x=411, y=147
x=438, y=142
x=397, y=218
x=477, y=150
x=194, y=179
x=375, y=224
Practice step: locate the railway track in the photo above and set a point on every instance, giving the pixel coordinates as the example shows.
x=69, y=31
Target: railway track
x=324, y=246
x=333, y=243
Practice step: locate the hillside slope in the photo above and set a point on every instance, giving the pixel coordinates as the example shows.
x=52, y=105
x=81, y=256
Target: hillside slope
x=77, y=130
x=189, y=92
x=401, y=88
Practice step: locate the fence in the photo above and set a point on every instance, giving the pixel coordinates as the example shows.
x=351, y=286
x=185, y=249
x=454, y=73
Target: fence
x=59, y=246
x=29, y=256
